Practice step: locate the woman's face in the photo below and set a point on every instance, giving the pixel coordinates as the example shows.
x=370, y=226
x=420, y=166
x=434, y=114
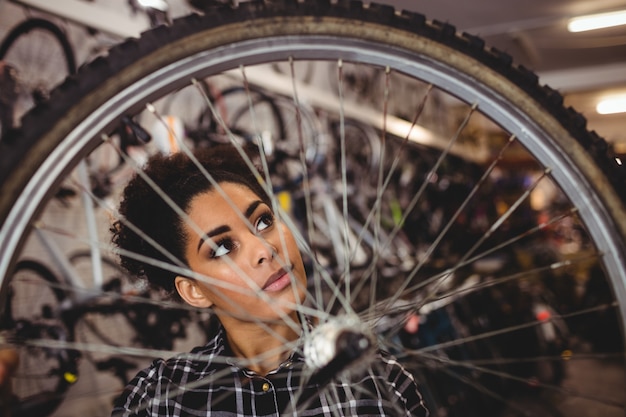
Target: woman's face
x=243, y=258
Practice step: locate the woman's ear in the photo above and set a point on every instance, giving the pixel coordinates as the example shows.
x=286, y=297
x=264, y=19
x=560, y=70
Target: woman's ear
x=189, y=291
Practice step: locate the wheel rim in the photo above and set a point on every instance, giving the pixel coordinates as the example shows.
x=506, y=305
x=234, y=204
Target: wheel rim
x=80, y=141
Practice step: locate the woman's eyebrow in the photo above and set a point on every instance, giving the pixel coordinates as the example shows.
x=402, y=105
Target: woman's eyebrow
x=223, y=229
x=252, y=207
x=217, y=231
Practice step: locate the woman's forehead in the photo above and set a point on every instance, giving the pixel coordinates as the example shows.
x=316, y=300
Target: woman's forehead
x=227, y=196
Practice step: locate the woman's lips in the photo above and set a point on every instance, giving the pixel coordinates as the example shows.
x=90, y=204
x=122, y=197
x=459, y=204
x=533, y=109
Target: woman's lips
x=277, y=281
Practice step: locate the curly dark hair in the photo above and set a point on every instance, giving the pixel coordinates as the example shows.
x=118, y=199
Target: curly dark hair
x=142, y=208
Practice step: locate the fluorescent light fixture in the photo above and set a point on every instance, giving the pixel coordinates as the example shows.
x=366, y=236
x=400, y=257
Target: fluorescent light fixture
x=612, y=105
x=154, y=4
x=597, y=21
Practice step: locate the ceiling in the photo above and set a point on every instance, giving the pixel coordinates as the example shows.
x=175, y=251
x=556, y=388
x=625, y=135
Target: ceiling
x=584, y=66
x=533, y=31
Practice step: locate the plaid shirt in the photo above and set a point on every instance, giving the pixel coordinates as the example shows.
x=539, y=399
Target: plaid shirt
x=208, y=382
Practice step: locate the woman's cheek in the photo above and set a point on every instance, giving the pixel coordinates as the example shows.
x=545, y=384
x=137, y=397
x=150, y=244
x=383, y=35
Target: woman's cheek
x=289, y=239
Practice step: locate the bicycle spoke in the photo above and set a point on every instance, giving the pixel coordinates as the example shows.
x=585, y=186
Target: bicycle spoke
x=446, y=210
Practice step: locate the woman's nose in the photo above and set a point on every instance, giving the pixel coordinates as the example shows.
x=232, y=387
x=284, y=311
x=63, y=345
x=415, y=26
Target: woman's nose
x=262, y=251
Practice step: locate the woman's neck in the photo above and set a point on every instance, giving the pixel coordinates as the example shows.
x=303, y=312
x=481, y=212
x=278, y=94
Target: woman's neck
x=265, y=345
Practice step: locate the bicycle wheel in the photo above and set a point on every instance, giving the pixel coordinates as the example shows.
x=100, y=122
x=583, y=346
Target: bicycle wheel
x=105, y=322
x=45, y=372
x=42, y=55
x=454, y=199
x=116, y=319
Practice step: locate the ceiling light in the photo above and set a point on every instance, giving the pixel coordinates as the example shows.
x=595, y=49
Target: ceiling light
x=154, y=4
x=612, y=105
x=597, y=21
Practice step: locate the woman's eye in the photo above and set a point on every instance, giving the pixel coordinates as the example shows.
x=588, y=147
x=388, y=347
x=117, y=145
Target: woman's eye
x=266, y=220
x=221, y=248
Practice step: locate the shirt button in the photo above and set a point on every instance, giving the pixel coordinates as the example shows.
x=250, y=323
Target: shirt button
x=265, y=387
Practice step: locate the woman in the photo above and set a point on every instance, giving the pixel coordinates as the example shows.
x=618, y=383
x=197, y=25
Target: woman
x=242, y=262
